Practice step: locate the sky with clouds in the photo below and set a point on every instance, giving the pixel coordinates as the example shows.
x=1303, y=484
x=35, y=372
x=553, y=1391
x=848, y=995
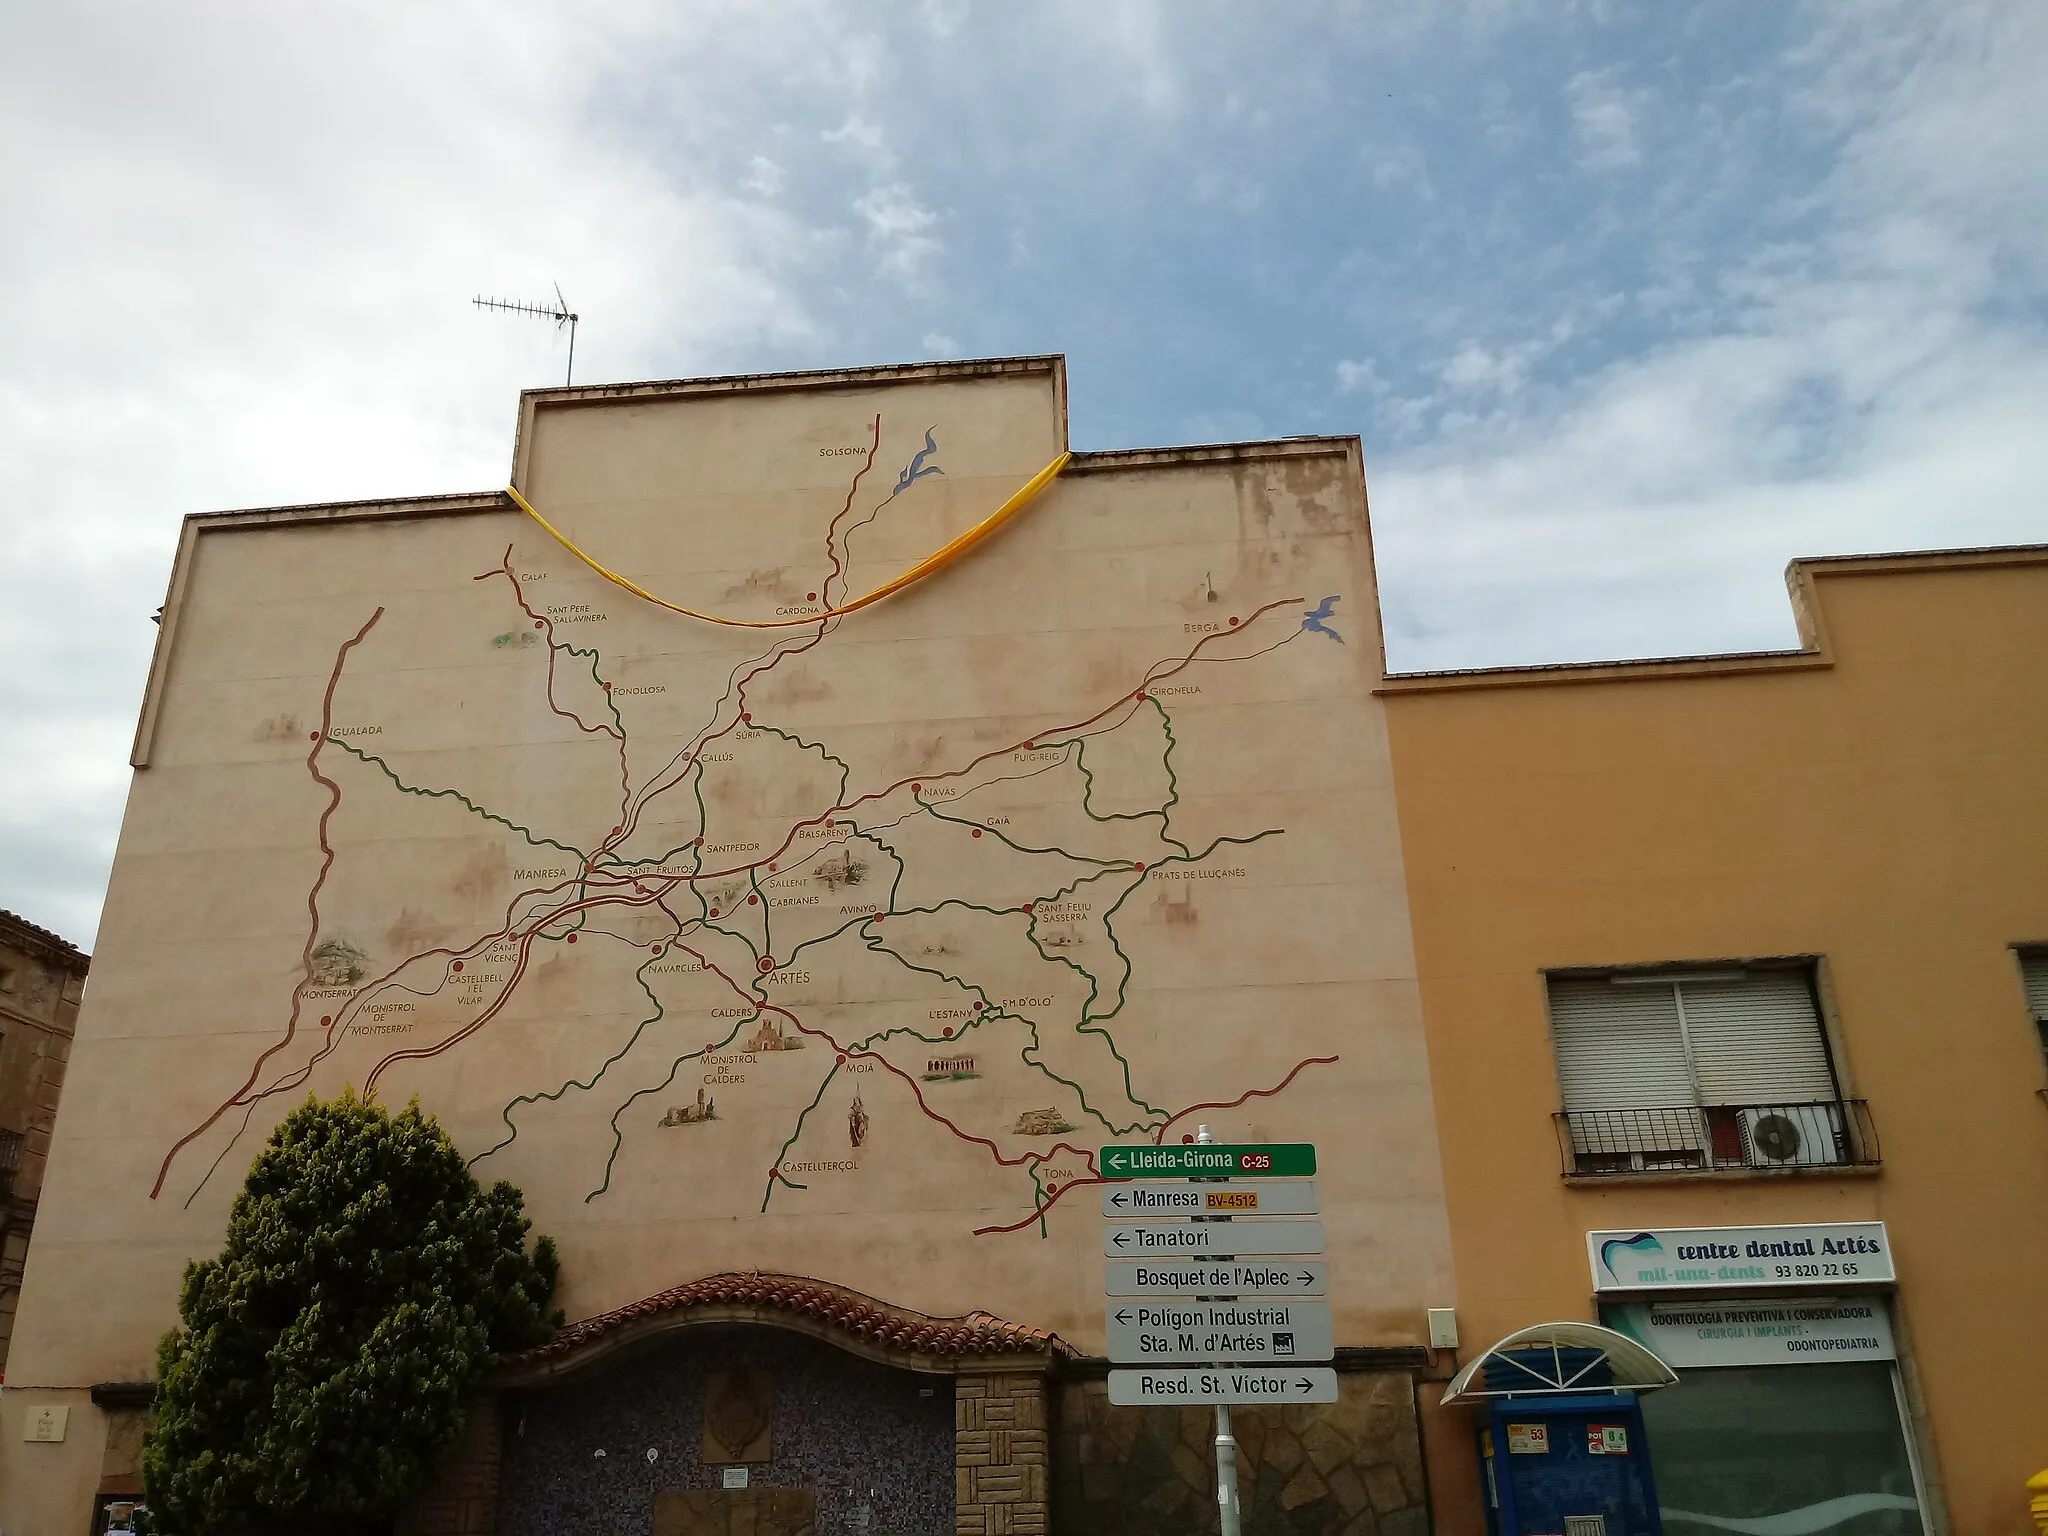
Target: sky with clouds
x=1631, y=303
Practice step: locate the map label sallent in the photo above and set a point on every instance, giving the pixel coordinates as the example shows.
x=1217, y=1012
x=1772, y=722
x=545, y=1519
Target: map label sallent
x=1194, y=1160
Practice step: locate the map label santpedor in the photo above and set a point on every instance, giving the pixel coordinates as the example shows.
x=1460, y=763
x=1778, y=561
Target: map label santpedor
x=1208, y=1160
x=1222, y=1197
x=1250, y=1384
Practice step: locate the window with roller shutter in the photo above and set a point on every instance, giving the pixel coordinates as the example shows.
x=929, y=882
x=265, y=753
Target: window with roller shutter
x=1697, y=1069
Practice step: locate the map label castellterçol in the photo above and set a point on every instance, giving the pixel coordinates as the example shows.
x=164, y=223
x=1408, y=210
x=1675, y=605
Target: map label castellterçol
x=1284, y=1160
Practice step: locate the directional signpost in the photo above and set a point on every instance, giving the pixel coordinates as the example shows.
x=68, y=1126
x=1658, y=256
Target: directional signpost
x=1205, y=1160
x=1203, y=1291
x=1222, y=1386
x=1220, y=1197
x=1216, y=1277
x=1178, y=1237
x=1205, y=1331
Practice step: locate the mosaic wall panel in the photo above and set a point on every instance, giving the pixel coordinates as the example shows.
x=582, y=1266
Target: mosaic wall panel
x=877, y=1452
x=1352, y=1468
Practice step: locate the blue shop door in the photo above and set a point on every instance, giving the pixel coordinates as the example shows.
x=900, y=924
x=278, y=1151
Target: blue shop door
x=1568, y=1466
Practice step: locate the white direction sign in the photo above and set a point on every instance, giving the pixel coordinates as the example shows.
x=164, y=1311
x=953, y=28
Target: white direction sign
x=1217, y=1277
x=1219, y=1197
x=1224, y=1384
x=1203, y=1237
x=1263, y=1332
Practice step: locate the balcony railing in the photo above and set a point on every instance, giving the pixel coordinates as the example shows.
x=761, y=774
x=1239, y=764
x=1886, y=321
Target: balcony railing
x=1694, y=1138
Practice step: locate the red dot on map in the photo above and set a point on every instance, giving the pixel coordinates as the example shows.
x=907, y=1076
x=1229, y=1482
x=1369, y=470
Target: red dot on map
x=771, y=866
x=977, y=831
x=1030, y=907
x=1141, y=869
x=457, y=966
x=326, y=1019
x=877, y=917
x=572, y=938
x=538, y=624
x=842, y=1058
x=753, y=901
x=700, y=842
x=1233, y=623
x=714, y=911
x=915, y=788
x=767, y=962
x=810, y=597
x=657, y=949
x=947, y=1031
x=1052, y=1189
x=745, y=718
x=312, y=735
x=1188, y=1139
x=1139, y=694
x=607, y=687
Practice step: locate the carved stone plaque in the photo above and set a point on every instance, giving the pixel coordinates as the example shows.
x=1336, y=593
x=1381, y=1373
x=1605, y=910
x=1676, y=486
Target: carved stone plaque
x=736, y=1512
x=739, y=1417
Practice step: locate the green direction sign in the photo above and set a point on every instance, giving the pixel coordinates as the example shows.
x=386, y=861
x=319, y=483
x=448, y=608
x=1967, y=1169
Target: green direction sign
x=1194, y=1160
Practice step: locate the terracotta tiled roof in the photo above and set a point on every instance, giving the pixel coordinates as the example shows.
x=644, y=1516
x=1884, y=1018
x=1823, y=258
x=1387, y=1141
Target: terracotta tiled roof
x=33, y=935
x=976, y=1333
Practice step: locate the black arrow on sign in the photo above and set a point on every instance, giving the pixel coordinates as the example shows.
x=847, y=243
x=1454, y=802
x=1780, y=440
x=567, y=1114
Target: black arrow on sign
x=1124, y=1316
x=1117, y=1199
x=1307, y=1278
x=1303, y=1382
x=1121, y=1239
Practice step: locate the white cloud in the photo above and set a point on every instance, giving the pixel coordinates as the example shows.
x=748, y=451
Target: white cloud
x=1605, y=117
x=897, y=228
x=939, y=344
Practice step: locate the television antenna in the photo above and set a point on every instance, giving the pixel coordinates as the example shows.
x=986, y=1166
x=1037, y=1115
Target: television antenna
x=559, y=312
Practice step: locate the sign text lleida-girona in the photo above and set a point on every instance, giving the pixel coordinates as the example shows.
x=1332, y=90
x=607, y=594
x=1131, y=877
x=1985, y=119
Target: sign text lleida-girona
x=1283, y=1160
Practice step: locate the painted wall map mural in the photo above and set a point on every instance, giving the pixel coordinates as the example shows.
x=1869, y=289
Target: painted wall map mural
x=707, y=935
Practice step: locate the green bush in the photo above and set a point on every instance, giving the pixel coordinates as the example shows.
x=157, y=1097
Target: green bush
x=367, y=1283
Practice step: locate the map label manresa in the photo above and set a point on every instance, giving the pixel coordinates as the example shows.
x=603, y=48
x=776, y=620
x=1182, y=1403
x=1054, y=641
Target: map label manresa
x=1282, y=1160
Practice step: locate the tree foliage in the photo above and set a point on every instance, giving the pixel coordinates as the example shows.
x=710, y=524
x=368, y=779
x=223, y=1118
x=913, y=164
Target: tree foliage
x=367, y=1283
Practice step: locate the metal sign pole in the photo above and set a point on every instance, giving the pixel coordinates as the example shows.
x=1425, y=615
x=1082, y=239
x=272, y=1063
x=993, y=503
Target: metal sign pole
x=1226, y=1443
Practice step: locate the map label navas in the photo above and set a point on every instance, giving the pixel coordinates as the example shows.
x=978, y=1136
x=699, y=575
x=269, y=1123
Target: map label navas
x=1203, y=1237
x=1218, y=1197
x=1213, y=1277
x=1191, y=1160
x=1217, y=1332
x=1251, y=1384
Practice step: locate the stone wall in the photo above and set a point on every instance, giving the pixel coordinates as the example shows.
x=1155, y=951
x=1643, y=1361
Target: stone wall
x=1352, y=1468
x=1000, y=1454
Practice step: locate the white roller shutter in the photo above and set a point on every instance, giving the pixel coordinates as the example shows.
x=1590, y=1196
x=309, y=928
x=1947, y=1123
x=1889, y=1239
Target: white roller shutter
x=1756, y=1040
x=2035, y=969
x=1619, y=1052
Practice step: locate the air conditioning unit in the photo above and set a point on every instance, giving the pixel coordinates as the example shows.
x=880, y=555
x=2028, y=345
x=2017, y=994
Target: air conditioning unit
x=1792, y=1136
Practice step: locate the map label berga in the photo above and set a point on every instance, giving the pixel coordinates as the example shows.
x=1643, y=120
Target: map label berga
x=1250, y=1384
x=1191, y=1160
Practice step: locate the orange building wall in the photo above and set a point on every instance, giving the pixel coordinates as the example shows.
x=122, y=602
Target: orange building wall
x=1887, y=812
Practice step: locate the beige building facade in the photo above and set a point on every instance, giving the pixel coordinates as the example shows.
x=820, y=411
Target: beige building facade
x=1739, y=951
x=42, y=981
x=825, y=946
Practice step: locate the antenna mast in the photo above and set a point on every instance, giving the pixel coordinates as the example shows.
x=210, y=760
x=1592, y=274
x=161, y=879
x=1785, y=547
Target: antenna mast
x=559, y=312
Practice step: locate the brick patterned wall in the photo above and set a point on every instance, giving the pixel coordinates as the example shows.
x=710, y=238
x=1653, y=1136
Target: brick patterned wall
x=463, y=1500
x=1001, y=1449
x=1351, y=1468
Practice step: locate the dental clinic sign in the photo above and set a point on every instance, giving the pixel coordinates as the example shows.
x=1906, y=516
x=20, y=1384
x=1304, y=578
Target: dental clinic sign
x=1730, y=1258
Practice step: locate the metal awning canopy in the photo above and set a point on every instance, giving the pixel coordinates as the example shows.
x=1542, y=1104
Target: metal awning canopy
x=1560, y=1358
